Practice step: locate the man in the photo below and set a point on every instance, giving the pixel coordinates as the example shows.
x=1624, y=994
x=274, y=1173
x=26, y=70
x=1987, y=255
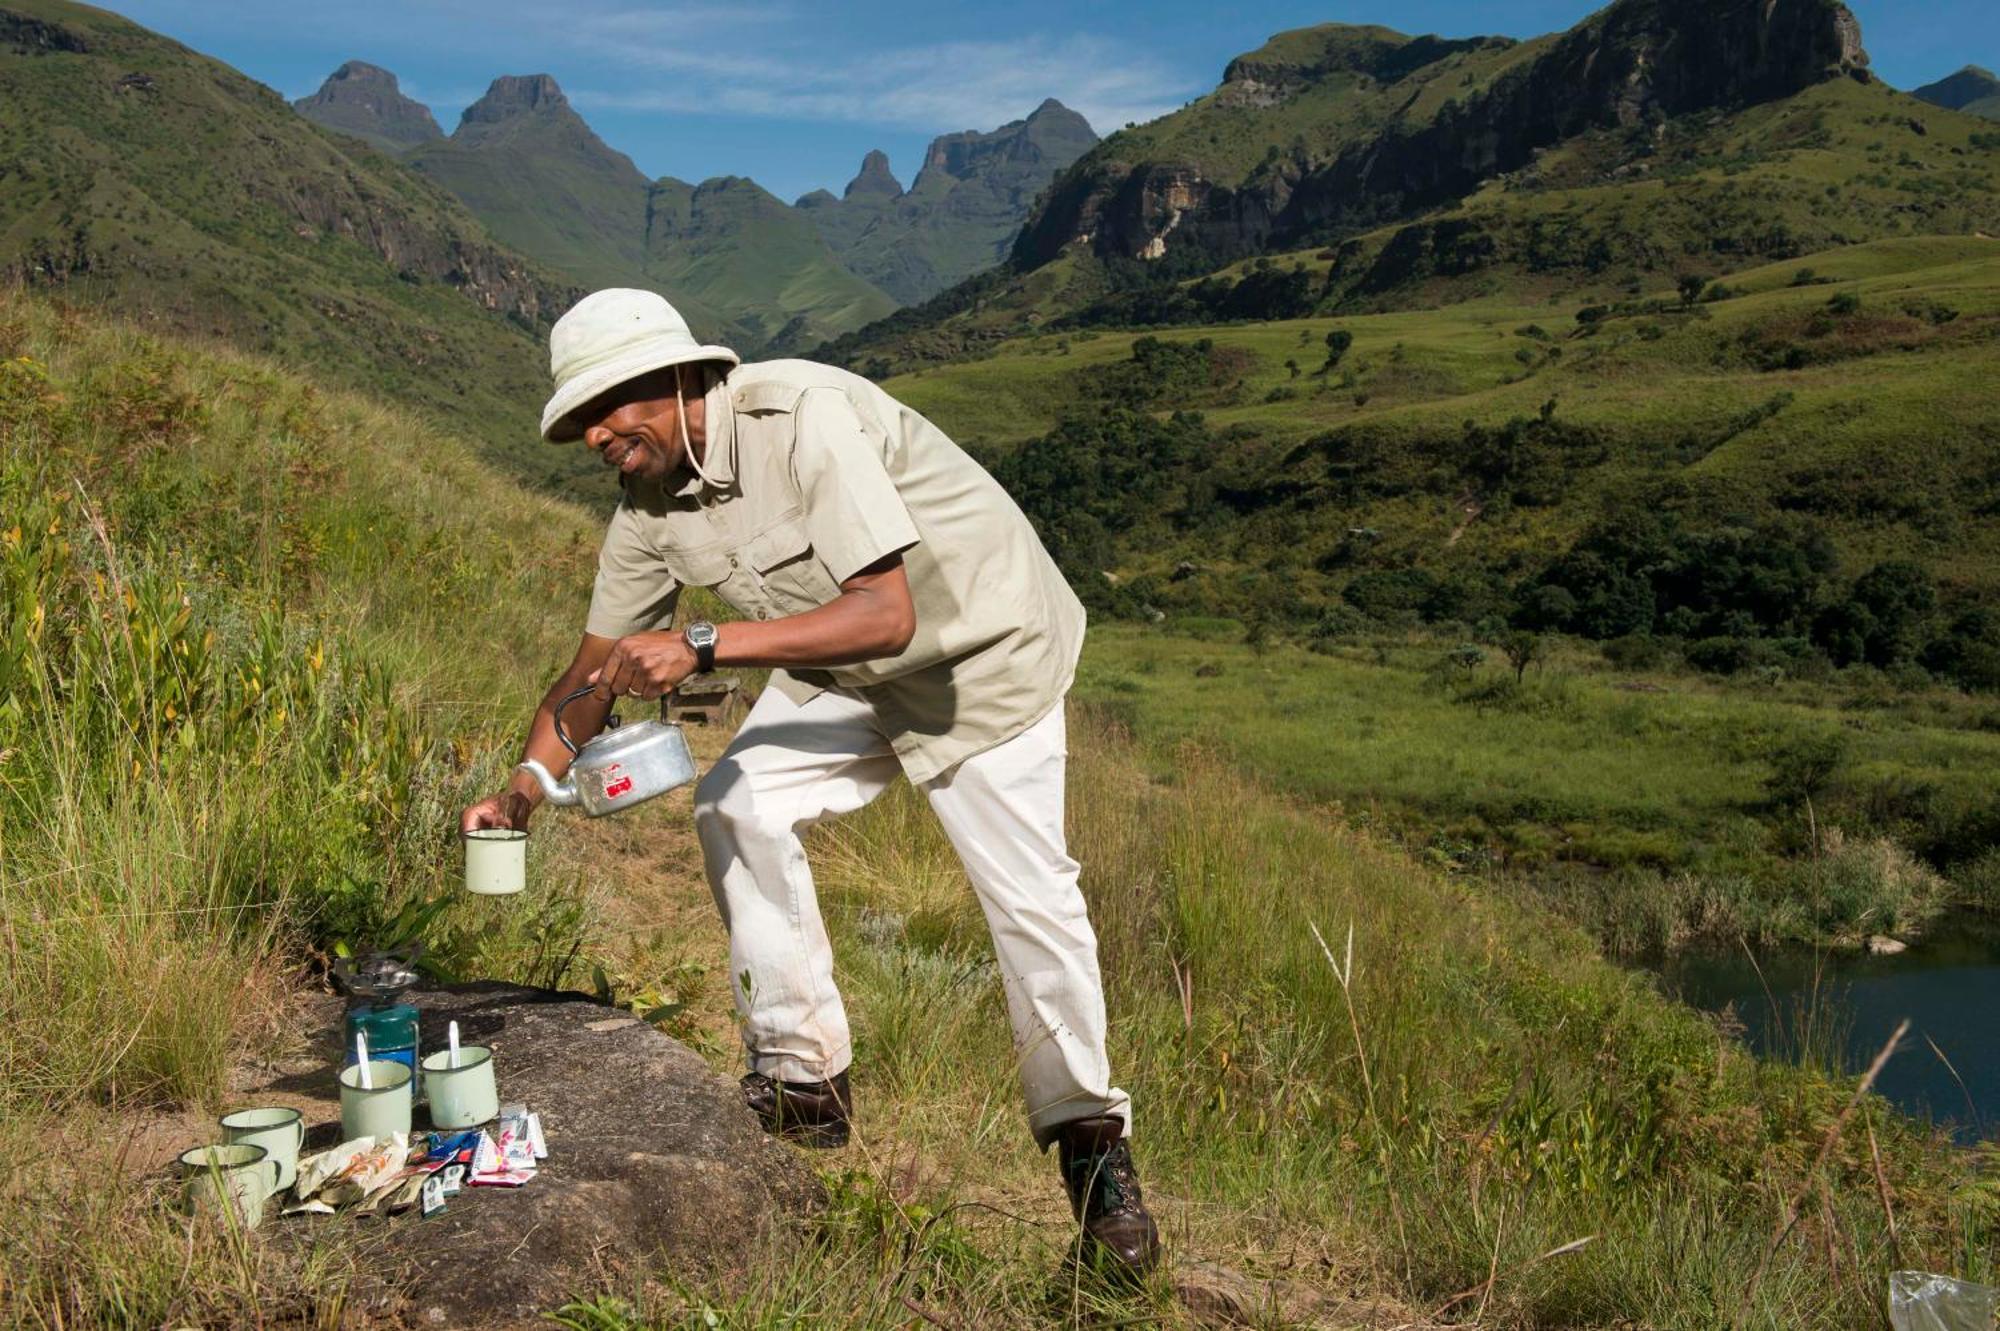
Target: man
x=915, y=624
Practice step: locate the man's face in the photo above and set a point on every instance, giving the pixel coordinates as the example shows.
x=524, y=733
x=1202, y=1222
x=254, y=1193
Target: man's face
x=636, y=428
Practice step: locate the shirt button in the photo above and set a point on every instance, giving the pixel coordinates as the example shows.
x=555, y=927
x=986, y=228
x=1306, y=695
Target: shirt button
x=763, y=614
x=732, y=561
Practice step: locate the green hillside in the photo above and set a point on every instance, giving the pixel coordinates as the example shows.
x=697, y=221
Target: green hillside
x=528, y=166
x=1378, y=172
x=1453, y=465
x=144, y=177
x=732, y=244
x=1309, y=93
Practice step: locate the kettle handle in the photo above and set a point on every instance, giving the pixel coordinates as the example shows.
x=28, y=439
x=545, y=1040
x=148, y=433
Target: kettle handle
x=610, y=720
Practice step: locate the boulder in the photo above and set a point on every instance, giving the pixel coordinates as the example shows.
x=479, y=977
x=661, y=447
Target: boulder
x=654, y=1163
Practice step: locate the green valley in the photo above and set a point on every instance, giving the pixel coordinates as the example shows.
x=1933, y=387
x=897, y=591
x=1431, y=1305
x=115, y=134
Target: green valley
x=1454, y=1081
x=1471, y=446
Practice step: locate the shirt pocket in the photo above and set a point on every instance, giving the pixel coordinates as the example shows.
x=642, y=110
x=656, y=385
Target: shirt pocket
x=782, y=558
x=709, y=566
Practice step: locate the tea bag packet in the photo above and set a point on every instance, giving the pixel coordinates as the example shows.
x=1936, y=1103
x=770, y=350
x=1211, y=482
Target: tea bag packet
x=503, y=1178
x=535, y=1139
x=512, y=1135
x=485, y=1156
x=451, y=1147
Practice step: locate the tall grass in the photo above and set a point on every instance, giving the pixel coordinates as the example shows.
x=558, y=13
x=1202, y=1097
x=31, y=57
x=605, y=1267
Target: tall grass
x=245, y=653
x=1468, y=1091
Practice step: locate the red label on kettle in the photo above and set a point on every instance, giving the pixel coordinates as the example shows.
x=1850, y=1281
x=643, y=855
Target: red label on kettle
x=615, y=785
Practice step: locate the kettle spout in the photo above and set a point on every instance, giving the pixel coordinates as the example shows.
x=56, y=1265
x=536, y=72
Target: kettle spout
x=556, y=792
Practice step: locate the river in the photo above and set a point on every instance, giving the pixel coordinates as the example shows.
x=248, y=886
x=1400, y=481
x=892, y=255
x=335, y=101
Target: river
x=1947, y=984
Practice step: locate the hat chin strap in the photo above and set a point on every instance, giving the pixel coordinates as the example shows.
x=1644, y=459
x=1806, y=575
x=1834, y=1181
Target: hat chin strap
x=687, y=444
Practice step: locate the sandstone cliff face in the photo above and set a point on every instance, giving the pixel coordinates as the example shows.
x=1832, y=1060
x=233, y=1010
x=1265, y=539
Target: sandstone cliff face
x=1638, y=62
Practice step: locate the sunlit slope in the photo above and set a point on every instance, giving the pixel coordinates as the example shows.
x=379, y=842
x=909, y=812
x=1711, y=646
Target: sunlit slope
x=144, y=177
x=1852, y=387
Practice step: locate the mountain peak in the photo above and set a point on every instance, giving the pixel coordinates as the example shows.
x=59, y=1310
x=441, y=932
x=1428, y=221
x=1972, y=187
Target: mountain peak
x=360, y=71
x=365, y=100
x=513, y=95
x=875, y=178
x=1973, y=89
x=1051, y=132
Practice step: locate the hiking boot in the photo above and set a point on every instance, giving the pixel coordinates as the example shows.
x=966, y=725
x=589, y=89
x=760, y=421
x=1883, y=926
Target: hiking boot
x=1103, y=1186
x=811, y=1113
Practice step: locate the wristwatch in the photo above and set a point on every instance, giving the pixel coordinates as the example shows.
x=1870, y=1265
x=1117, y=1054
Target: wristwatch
x=701, y=636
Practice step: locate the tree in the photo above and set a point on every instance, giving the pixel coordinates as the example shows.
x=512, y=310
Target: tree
x=1337, y=343
x=1691, y=287
x=1523, y=649
x=1803, y=765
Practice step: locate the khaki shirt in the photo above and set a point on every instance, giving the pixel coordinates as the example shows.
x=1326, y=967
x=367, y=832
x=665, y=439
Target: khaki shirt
x=816, y=474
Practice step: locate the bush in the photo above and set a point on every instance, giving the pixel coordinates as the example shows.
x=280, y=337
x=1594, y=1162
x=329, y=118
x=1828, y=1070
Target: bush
x=1869, y=886
x=1803, y=766
x=1635, y=651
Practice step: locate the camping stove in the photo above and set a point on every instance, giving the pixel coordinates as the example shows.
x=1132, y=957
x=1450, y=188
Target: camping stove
x=375, y=986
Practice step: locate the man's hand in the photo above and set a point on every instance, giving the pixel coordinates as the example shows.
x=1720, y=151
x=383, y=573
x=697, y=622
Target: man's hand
x=509, y=809
x=644, y=665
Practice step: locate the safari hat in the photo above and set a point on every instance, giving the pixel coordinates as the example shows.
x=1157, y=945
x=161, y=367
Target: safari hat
x=607, y=338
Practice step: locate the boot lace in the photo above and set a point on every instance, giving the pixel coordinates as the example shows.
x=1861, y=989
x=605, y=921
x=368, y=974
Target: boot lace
x=1106, y=1183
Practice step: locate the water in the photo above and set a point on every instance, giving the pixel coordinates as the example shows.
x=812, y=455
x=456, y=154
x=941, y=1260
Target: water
x=1948, y=985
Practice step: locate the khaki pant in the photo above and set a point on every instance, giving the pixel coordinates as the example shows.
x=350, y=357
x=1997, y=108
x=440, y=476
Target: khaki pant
x=791, y=766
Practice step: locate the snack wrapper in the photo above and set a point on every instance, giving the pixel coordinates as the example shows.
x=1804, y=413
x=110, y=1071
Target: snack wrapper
x=352, y=1170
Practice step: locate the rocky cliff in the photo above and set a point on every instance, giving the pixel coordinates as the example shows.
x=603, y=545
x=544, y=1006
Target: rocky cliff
x=961, y=215
x=366, y=101
x=1633, y=65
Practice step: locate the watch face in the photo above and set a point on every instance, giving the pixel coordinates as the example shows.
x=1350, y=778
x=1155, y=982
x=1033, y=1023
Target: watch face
x=701, y=635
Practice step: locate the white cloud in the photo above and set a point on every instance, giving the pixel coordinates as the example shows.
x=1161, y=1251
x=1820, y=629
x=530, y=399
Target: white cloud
x=775, y=59
x=935, y=88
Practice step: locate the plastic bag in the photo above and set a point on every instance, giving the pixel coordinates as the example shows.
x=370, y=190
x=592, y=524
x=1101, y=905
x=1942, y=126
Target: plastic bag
x=1919, y=1301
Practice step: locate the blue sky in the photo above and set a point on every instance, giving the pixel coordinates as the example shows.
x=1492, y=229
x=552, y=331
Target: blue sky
x=793, y=92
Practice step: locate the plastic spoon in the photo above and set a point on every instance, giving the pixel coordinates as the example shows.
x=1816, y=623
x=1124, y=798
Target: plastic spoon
x=451, y=1034
x=361, y=1060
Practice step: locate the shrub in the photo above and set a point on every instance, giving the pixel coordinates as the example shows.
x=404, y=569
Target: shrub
x=1338, y=343
x=1635, y=651
x=1803, y=765
x=1868, y=886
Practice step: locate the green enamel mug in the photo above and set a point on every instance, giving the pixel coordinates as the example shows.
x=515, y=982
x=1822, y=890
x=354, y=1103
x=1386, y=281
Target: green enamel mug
x=233, y=1174
x=380, y=1110
x=464, y=1096
x=496, y=861
x=278, y=1130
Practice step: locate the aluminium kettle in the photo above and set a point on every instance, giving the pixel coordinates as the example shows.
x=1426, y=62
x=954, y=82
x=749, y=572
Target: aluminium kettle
x=623, y=766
